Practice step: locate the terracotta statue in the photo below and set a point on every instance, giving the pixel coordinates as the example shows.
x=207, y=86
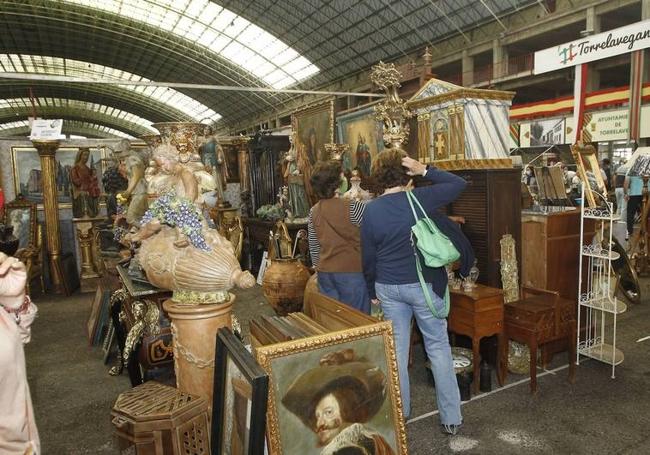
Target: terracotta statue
x=131, y=166
x=85, y=188
x=214, y=159
x=195, y=274
x=296, y=184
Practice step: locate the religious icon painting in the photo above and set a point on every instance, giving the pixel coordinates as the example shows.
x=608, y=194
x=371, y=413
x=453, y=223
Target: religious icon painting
x=363, y=133
x=315, y=128
x=440, y=144
x=28, y=178
x=335, y=393
x=239, y=399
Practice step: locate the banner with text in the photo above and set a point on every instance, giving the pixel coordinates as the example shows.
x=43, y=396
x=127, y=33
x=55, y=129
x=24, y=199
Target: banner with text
x=621, y=40
x=46, y=129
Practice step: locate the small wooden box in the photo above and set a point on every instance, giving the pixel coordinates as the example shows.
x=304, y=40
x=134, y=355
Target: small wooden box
x=156, y=419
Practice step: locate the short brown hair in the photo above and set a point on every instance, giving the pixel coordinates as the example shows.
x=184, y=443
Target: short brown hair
x=326, y=178
x=387, y=170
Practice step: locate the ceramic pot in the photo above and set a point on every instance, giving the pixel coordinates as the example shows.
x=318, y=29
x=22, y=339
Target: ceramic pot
x=284, y=285
x=194, y=328
x=8, y=242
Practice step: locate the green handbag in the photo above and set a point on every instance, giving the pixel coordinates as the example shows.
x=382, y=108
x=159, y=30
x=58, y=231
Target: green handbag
x=435, y=247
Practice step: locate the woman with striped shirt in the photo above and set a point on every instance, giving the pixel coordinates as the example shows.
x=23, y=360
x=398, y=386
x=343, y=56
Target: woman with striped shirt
x=334, y=239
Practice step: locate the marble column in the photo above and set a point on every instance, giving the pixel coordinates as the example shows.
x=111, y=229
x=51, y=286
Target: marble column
x=47, y=152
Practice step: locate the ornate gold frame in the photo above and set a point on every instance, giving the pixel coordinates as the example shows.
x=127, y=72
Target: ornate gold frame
x=21, y=203
x=265, y=354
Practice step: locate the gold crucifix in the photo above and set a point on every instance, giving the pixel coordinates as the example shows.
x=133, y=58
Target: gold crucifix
x=441, y=145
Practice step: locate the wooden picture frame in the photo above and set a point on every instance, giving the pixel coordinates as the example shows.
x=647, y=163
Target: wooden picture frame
x=363, y=133
x=586, y=159
x=26, y=167
x=315, y=122
x=357, y=367
x=239, y=399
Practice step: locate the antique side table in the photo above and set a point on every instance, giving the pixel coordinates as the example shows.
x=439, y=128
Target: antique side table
x=540, y=317
x=477, y=314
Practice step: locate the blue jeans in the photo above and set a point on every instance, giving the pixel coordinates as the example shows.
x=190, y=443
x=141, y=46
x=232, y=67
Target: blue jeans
x=349, y=288
x=400, y=303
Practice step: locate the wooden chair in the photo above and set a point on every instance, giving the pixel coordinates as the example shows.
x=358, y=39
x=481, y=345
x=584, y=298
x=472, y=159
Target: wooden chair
x=21, y=214
x=539, y=317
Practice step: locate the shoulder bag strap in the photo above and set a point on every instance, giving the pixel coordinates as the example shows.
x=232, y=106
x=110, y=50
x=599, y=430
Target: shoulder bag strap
x=425, y=290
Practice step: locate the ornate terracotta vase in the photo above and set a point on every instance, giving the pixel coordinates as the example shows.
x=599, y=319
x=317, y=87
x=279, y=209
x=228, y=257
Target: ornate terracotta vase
x=284, y=285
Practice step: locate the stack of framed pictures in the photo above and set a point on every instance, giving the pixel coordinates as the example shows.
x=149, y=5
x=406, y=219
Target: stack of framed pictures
x=333, y=384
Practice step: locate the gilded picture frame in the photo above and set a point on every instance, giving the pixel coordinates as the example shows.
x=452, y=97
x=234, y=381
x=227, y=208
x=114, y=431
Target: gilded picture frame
x=239, y=400
x=305, y=374
x=363, y=133
x=315, y=128
x=26, y=167
x=586, y=159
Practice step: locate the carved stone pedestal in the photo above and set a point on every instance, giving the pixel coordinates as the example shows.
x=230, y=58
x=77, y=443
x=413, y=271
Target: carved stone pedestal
x=89, y=275
x=194, y=328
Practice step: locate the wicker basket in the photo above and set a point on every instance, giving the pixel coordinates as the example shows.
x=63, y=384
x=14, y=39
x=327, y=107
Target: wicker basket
x=155, y=419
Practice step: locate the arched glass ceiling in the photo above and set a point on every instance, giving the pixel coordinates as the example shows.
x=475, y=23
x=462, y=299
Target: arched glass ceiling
x=24, y=125
x=45, y=102
x=39, y=64
x=221, y=31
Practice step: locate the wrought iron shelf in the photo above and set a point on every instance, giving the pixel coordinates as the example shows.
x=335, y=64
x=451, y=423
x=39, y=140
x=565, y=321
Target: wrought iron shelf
x=603, y=352
x=604, y=304
x=600, y=253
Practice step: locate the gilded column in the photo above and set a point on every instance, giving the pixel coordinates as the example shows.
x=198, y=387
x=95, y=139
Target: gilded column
x=86, y=231
x=47, y=152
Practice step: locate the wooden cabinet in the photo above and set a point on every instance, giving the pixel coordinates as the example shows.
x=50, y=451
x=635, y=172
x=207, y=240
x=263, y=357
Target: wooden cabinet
x=551, y=253
x=491, y=205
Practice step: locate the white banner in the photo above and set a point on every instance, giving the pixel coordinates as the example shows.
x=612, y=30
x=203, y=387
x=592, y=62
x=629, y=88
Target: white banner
x=46, y=129
x=608, y=44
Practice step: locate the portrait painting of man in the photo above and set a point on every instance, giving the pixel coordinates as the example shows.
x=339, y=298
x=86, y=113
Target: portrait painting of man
x=336, y=399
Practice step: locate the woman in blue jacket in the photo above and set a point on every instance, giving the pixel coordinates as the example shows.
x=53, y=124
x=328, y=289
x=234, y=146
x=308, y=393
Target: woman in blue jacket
x=391, y=275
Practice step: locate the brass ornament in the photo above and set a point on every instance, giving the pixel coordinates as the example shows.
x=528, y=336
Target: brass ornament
x=392, y=111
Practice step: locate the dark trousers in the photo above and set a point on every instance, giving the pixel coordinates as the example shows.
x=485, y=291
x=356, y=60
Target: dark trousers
x=349, y=288
x=633, y=204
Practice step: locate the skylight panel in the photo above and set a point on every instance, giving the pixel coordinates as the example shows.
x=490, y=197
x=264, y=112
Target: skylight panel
x=183, y=103
x=220, y=43
x=213, y=27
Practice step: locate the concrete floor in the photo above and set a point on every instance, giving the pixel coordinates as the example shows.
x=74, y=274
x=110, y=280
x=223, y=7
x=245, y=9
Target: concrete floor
x=73, y=394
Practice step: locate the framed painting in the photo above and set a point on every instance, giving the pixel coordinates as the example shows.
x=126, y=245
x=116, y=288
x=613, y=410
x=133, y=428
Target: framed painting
x=239, y=399
x=315, y=128
x=331, y=393
x=231, y=152
x=28, y=179
x=364, y=135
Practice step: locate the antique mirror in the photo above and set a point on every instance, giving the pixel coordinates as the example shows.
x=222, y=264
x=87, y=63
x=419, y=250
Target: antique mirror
x=21, y=215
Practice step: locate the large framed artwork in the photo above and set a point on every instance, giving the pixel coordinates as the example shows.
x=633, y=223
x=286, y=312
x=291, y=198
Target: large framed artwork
x=315, y=128
x=364, y=134
x=28, y=180
x=239, y=399
x=335, y=393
